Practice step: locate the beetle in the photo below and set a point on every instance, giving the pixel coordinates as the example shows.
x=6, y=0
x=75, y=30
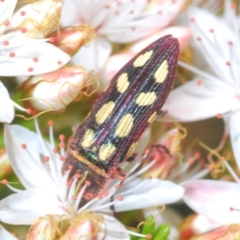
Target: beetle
x=130, y=103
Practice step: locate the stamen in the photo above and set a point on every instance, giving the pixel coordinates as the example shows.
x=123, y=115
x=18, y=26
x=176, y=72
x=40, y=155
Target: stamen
x=148, y=236
x=7, y=183
x=234, y=209
x=142, y=170
x=233, y=174
x=198, y=71
x=50, y=124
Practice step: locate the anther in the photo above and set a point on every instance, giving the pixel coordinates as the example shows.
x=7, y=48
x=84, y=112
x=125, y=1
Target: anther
x=62, y=145
x=62, y=158
x=228, y=63
x=88, y=183
x=117, y=186
x=77, y=175
x=190, y=161
x=50, y=123
x=149, y=177
x=74, y=198
x=61, y=137
x=219, y=116
x=148, y=236
x=30, y=69
x=46, y=158
x=29, y=111
x=70, y=167
x=5, y=43
x=55, y=150
x=120, y=198
x=4, y=181
x=121, y=178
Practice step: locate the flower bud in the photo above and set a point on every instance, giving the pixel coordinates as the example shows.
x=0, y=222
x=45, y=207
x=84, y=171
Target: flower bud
x=5, y=165
x=54, y=90
x=44, y=228
x=70, y=39
x=229, y=232
x=85, y=231
x=36, y=19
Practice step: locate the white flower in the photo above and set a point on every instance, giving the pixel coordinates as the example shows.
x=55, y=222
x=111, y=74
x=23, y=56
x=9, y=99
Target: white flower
x=38, y=166
x=216, y=202
x=21, y=54
x=120, y=21
x=216, y=92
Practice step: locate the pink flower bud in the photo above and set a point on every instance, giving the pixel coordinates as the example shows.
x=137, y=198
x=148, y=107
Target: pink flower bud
x=85, y=231
x=54, y=90
x=5, y=165
x=70, y=39
x=36, y=19
x=44, y=228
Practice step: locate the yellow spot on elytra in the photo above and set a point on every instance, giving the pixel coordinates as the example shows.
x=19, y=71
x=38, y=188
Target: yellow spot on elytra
x=145, y=99
x=106, y=151
x=104, y=112
x=142, y=59
x=124, y=126
x=122, y=83
x=162, y=72
x=88, y=138
x=152, y=118
x=132, y=148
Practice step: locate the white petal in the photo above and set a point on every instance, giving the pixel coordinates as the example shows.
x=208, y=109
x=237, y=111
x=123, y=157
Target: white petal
x=27, y=206
x=235, y=135
x=153, y=192
x=5, y=235
x=70, y=14
x=200, y=99
x=6, y=10
x=6, y=109
x=213, y=199
x=114, y=229
x=201, y=224
x=94, y=55
x=113, y=65
x=27, y=163
x=37, y=57
x=215, y=45
x=183, y=35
